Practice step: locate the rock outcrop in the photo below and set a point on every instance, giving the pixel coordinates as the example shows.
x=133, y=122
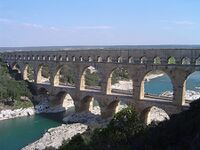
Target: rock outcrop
x=54, y=137
x=9, y=114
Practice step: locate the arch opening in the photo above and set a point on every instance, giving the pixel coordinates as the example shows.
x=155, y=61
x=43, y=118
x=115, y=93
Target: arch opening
x=120, y=82
x=65, y=76
x=157, y=60
x=185, y=61
x=156, y=85
x=171, y=60
x=15, y=71
x=63, y=102
x=192, y=87
x=90, y=104
x=91, y=79
x=29, y=73
x=43, y=74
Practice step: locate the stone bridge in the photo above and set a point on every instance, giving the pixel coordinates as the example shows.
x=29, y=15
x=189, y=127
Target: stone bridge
x=178, y=64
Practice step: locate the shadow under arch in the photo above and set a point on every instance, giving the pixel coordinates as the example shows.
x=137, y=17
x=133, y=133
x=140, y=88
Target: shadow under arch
x=64, y=100
x=156, y=84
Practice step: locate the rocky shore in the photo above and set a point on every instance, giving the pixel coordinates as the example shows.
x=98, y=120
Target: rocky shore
x=54, y=137
x=10, y=114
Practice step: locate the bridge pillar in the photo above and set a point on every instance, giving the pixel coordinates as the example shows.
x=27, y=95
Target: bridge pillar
x=179, y=78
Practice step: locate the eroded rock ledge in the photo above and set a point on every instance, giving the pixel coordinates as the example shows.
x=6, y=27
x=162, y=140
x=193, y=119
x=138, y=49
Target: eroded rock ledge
x=54, y=137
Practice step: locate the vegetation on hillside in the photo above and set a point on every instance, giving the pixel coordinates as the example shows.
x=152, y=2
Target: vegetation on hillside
x=11, y=90
x=127, y=132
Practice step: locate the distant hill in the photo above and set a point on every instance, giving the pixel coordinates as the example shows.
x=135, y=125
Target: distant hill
x=39, y=48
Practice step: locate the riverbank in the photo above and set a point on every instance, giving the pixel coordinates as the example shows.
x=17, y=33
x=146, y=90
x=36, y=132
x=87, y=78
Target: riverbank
x=54, y=137
x=10, y=114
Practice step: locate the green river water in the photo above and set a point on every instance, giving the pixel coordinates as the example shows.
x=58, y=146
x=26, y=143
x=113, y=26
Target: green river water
x=17, y=133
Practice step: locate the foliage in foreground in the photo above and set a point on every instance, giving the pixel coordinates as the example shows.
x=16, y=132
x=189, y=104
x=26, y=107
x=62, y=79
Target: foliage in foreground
x=122, y=127
x=126, y=132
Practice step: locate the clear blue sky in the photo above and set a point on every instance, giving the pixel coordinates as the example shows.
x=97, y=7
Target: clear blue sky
x=99, y=22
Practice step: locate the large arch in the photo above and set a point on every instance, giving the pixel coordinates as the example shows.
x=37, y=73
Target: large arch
x=90, y=79
x=191, y=87
x=119, y=81
x=156, y=84
x=28, y=73
x=64, y=76
x=89, y=104
x=63, y=100
x=43, y=75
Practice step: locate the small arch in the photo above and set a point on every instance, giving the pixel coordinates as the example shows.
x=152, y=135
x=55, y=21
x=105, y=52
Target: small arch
x=90, y=59
x=157, y=60
x=109, y=59
x=60, y=58
x=48, y=58
x=80, y=58
x=143, y=60
x=28, y=57
x=197, y=62
x=43, y=58
x=119, y=59
x=99, y=59
x=66, y=58
x=33, y=57
x=38, y=57
x=130, y=60
x=171, y=60
x=185, y=61
x=54, y=58
x=73, y=58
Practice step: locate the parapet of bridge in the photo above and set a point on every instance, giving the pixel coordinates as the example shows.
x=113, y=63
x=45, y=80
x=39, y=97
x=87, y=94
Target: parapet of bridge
x=178, y=64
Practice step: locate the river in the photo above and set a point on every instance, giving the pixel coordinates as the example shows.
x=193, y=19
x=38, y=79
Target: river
x=17, y=133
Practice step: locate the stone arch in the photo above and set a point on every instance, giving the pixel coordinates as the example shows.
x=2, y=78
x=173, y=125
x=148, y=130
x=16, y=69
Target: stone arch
x=143, y=60
x=28, y=73
x=64, y=76
x=42, y=90
x=111, y=109
x=16, y=66
x=81, y=58
x=156, y=84
x=185, y=61
x=197, y=61
x=90, y=59
x=99, y=59
x=157, y=60
x=130, y=60
x=64, y=101
x=109, y=59
x=118, y=80
x=119, y=59
x=171, y=60
x=153, y=115
x=43, y=74
x=90, y=78
x=191, y=87
x=73, y=58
